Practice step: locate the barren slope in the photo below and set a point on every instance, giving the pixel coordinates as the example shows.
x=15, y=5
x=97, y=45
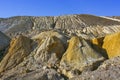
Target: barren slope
x=93, y=26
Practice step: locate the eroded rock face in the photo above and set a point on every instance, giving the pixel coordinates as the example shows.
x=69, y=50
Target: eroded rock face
x=109, y=70
x=80, y=55
x=112, y=45
x=90, y=25
x=19, y=48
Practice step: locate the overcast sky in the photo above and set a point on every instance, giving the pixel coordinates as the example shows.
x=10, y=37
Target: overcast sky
x=10, y=8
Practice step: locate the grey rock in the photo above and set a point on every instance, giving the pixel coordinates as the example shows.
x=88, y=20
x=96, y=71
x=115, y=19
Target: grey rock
x=38, y=74
x=4, y=42
x=109, y=70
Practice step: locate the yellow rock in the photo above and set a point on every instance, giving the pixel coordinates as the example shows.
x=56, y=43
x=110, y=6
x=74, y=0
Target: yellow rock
x=80, y=55
x=19, y=48
x=112, y=45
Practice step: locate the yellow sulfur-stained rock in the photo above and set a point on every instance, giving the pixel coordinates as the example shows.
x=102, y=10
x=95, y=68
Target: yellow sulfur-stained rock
x=80, y=55
x=19, y=48
x=112, y=45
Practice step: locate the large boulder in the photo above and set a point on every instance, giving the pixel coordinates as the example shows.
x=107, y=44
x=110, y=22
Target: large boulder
x=80, y=55
x=112, y=45
x=19, y=48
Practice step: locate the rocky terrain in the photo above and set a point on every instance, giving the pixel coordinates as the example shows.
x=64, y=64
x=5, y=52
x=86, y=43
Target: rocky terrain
x=81, y=25
x=71, y=47
x=116, y=17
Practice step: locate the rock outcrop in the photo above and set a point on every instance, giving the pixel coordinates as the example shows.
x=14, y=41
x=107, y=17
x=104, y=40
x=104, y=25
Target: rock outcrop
x=48, y=50
x=51, y=44
x=46, y=54
x=108, y=70
x=112, y=45
x=19, y=48
x=58, y=48
x=80, y=55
